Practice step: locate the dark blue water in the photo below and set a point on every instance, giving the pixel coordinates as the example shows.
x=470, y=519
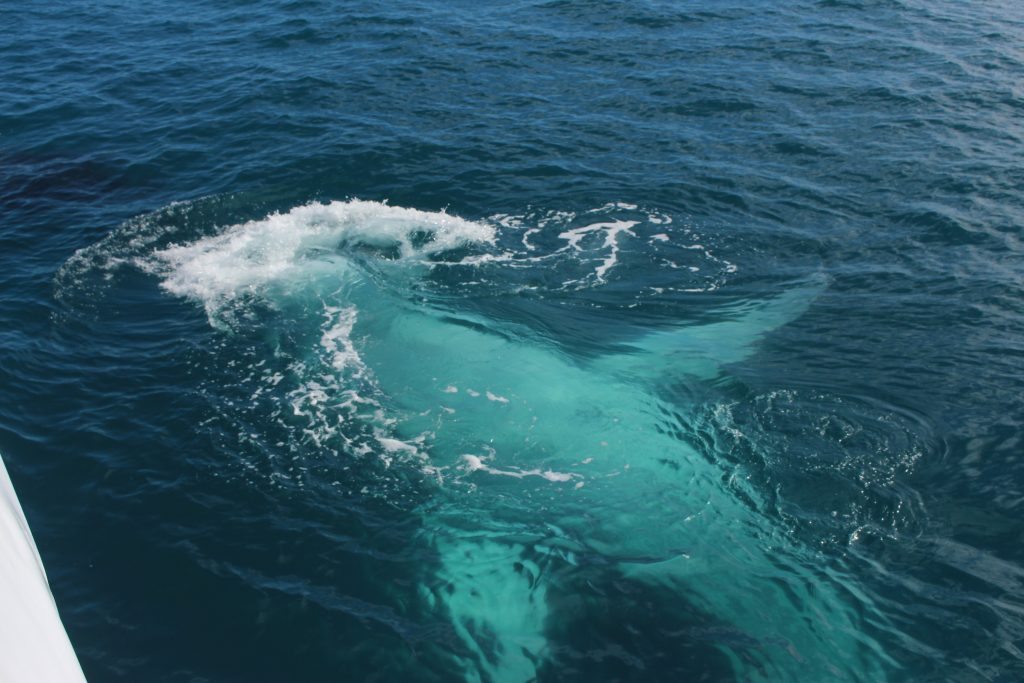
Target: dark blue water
x=774, y=248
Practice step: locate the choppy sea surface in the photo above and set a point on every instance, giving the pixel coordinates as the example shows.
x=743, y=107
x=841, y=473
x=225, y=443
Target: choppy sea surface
x=542, y=340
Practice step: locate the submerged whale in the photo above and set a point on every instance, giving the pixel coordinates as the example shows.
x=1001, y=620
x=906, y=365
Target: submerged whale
x=554, y=472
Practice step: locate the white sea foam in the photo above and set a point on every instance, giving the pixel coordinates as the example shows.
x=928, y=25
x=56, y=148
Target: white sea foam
x=611, y=231
x=596, y=237
x=337, y=339
x=475, y=463
x=526, y=238
x=245, y=258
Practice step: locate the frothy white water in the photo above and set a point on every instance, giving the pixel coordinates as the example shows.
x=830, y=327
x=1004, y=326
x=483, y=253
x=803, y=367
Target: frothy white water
x=226, y=265
x=605, y=239
x=300, y=266
x=284, y=247
x=336, y=340
x=611, y=232
x=475, y=463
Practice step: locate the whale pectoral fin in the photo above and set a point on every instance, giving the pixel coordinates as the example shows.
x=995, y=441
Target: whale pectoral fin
x=495, y=599
x=700, y=350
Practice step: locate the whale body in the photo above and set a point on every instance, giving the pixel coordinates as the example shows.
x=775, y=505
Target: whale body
x=554, y=472
x=602, y=453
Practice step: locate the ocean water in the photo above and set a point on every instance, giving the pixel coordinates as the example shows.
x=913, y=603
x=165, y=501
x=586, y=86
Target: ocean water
x=547, y=340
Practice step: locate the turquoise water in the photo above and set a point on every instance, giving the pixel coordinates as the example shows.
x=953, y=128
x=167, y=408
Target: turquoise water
x=546, y=341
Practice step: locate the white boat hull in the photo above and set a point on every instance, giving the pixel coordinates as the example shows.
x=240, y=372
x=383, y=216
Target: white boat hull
x=34, y=647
